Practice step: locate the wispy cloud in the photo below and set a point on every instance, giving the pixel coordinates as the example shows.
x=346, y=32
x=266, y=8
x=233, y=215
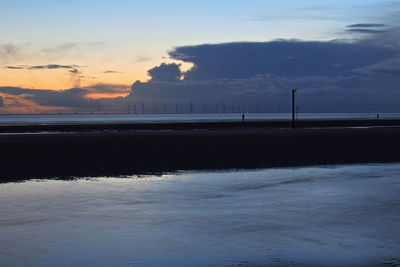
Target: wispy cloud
x=59, y=50
x=12, y=52
x=111, y=72
x=74, y=70
x=70, y=68
x=366, y=25
x=20, y=67
x=367, y=28
x=140, y=59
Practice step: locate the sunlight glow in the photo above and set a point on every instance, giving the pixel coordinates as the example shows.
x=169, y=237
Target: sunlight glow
x=105, y=95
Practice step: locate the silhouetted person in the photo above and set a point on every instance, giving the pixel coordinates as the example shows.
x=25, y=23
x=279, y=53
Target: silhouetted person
x=242, y=117
x=377, y=117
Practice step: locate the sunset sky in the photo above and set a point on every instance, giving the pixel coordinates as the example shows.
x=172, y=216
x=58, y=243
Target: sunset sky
x=111, y=44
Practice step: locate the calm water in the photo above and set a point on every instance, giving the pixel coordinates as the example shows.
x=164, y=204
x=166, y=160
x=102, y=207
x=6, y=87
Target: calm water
x=320, y=216
x=148, y=118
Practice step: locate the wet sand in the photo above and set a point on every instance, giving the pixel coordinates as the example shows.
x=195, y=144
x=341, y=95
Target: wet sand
x=312, y=216
x=114, y=152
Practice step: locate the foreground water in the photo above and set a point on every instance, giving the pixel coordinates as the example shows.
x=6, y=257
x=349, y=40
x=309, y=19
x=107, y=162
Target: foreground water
x=315, y=216
x=33, y=119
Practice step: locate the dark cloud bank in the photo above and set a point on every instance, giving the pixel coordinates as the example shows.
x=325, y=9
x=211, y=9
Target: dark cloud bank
x=67, y=98
x=338, y=76
x=74, y=99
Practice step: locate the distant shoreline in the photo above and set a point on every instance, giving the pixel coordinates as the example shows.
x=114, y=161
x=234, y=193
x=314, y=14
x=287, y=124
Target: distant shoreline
x=239, y=146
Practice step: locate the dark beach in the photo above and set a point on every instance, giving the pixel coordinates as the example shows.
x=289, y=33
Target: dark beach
x=120, y=149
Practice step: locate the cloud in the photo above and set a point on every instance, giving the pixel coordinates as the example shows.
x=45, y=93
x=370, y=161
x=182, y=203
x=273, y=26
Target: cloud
x=357, y=76
x=67, y=98
x=18, y=99
x=74, y=70
x=390, y=67
x=360, y=30
x=8, y=50
x=71, y=68
x=366, y=25
x=331, y=94
x=11, y=52
x=21, y=100
x=140, y=59
x=358, y=93
x=389, y=71
x=388, y=39
x=21, y=67
x=111, y=72
x=52, y=66
x=59, y=50
x=284, y=58
x=165, y=72
x=20, y=104
x=14, y=53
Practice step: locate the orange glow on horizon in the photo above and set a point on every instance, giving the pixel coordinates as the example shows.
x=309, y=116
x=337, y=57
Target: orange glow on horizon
x=63, y=80
x=105, y=95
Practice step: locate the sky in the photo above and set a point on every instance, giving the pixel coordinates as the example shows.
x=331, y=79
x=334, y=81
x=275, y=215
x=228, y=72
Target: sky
x=71, y=56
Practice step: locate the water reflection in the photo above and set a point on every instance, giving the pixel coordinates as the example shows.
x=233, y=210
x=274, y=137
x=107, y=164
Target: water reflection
x=330, y=215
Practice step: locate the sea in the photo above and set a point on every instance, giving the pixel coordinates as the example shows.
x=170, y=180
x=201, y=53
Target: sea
x=339, y=215
x=31, y=119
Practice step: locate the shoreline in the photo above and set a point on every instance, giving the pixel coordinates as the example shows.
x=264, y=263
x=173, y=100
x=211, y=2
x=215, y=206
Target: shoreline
x=187, y=125
x=109, y=153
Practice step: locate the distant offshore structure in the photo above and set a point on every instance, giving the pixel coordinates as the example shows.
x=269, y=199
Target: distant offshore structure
x=193, y=108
